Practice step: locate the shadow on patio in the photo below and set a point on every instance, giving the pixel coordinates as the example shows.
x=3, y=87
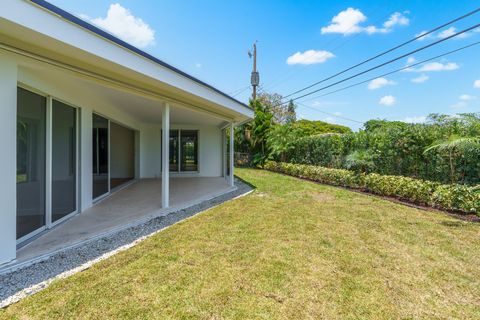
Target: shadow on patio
x=134, y=204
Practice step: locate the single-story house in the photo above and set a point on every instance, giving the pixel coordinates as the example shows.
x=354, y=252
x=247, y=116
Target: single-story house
x=85, y=116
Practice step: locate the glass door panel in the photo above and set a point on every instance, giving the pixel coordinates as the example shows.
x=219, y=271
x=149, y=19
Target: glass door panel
x=173, y=152
x=100, y=156
x=64, y=160
x=189, y=150
x=31, y=151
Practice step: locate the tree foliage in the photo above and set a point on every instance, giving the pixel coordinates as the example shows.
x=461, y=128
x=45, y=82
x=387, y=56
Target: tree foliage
x=398, y=148
x=314, y=127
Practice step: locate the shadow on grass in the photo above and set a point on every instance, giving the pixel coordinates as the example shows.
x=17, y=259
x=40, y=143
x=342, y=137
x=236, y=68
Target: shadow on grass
x=456, y=224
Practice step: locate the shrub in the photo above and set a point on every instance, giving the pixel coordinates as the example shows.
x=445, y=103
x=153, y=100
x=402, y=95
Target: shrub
x=397, y=148
x=423, y=192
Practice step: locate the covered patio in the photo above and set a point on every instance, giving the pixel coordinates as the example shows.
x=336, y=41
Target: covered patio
x=107, y=134
x=131, y=205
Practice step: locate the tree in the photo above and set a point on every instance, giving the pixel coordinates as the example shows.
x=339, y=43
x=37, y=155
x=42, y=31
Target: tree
x=259, y=128
x=311, y=127
x=281, y=139
x=452, y=146
x=360, y=160
x=273, y=103
x=291, y=112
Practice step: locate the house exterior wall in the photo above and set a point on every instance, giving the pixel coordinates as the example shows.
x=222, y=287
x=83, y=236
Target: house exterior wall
x=147, y=137
x=122, y=149
x=8, y=165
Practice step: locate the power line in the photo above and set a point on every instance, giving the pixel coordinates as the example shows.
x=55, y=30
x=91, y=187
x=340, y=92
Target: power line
x=382, y=75
x=397, y=70
x=387, y=51
x=328, y=113
x=385, y=63
x=238, y=90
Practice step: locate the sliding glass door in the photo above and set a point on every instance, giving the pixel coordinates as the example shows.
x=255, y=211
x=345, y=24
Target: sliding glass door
x=173, y=153
x=183, y=151
x=101, y=185
x=189, y=150
x=46, y=162
x=31, y=166
x=64, y=160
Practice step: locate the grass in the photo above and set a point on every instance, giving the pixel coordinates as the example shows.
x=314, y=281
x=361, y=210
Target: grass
x=291, y=250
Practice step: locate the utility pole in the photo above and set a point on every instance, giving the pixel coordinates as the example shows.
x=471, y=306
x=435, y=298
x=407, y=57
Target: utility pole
x=255, y=78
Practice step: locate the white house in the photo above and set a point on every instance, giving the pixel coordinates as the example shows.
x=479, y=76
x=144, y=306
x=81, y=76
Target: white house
x=84, y=114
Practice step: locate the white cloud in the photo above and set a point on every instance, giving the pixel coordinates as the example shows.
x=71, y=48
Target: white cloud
x=379, y=83
x=346, y=22
x=396, y=19
x=476, y=84
x=459, y=105
x=415, y=119
x=438, y=66
x=411, y=60
x=450, y=32
x=463, y=101
x=467, y=97
x=420, y=79
x=447, y=33
x=435, y=67
x=121, y=23
x=198, y=65
x=442, y=34
x=349, y=22
x=310, y=57
x=423, y=35
x=388, y=100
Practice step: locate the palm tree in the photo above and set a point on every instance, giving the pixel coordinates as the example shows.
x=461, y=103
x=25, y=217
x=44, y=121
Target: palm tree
x=453, y=145
x=360, y=160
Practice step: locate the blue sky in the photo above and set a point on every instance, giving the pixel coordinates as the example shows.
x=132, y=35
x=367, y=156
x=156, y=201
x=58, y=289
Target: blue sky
x=210, y=40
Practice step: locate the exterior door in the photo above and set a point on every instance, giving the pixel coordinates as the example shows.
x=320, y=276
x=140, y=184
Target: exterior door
x=31, y=162
x=101, y=184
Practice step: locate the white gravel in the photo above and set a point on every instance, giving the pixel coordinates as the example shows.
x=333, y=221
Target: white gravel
x=31, y=279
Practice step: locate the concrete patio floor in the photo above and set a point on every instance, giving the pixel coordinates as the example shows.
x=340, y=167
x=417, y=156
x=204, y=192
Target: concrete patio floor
x=136, y=203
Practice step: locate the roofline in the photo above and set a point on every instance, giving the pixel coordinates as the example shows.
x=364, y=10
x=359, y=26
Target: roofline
x=100, y=32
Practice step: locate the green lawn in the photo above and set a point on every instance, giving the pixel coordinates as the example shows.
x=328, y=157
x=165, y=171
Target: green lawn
x=290, y=250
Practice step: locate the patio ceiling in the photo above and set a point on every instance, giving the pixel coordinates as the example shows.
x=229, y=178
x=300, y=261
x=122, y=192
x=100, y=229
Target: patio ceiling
x=82, y=91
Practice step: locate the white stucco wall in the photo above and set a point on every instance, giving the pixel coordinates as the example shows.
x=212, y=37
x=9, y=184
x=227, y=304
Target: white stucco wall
x=150, y=165
x=210, y=145
x=122, y=152
x=8, y=166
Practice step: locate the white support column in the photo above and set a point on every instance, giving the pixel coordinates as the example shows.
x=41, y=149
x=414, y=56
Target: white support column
x=224, y=154
x=48, y=163
x=86, y=153
x=232, y=155
x=165, y=155
x=8, y=161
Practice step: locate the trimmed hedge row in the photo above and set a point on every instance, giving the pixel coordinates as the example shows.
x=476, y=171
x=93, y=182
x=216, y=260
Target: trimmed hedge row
x=448, y=197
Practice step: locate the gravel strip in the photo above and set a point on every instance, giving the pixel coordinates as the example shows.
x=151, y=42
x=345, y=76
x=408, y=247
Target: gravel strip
x=21, y=283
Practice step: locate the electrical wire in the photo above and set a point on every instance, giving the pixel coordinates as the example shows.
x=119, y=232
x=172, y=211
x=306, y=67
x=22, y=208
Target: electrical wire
x=384, y=63
x=396, y=71
x=387, y=51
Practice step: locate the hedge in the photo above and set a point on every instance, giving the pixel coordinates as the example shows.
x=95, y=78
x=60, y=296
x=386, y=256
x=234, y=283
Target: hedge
x=395, y=149
x=448, y=197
